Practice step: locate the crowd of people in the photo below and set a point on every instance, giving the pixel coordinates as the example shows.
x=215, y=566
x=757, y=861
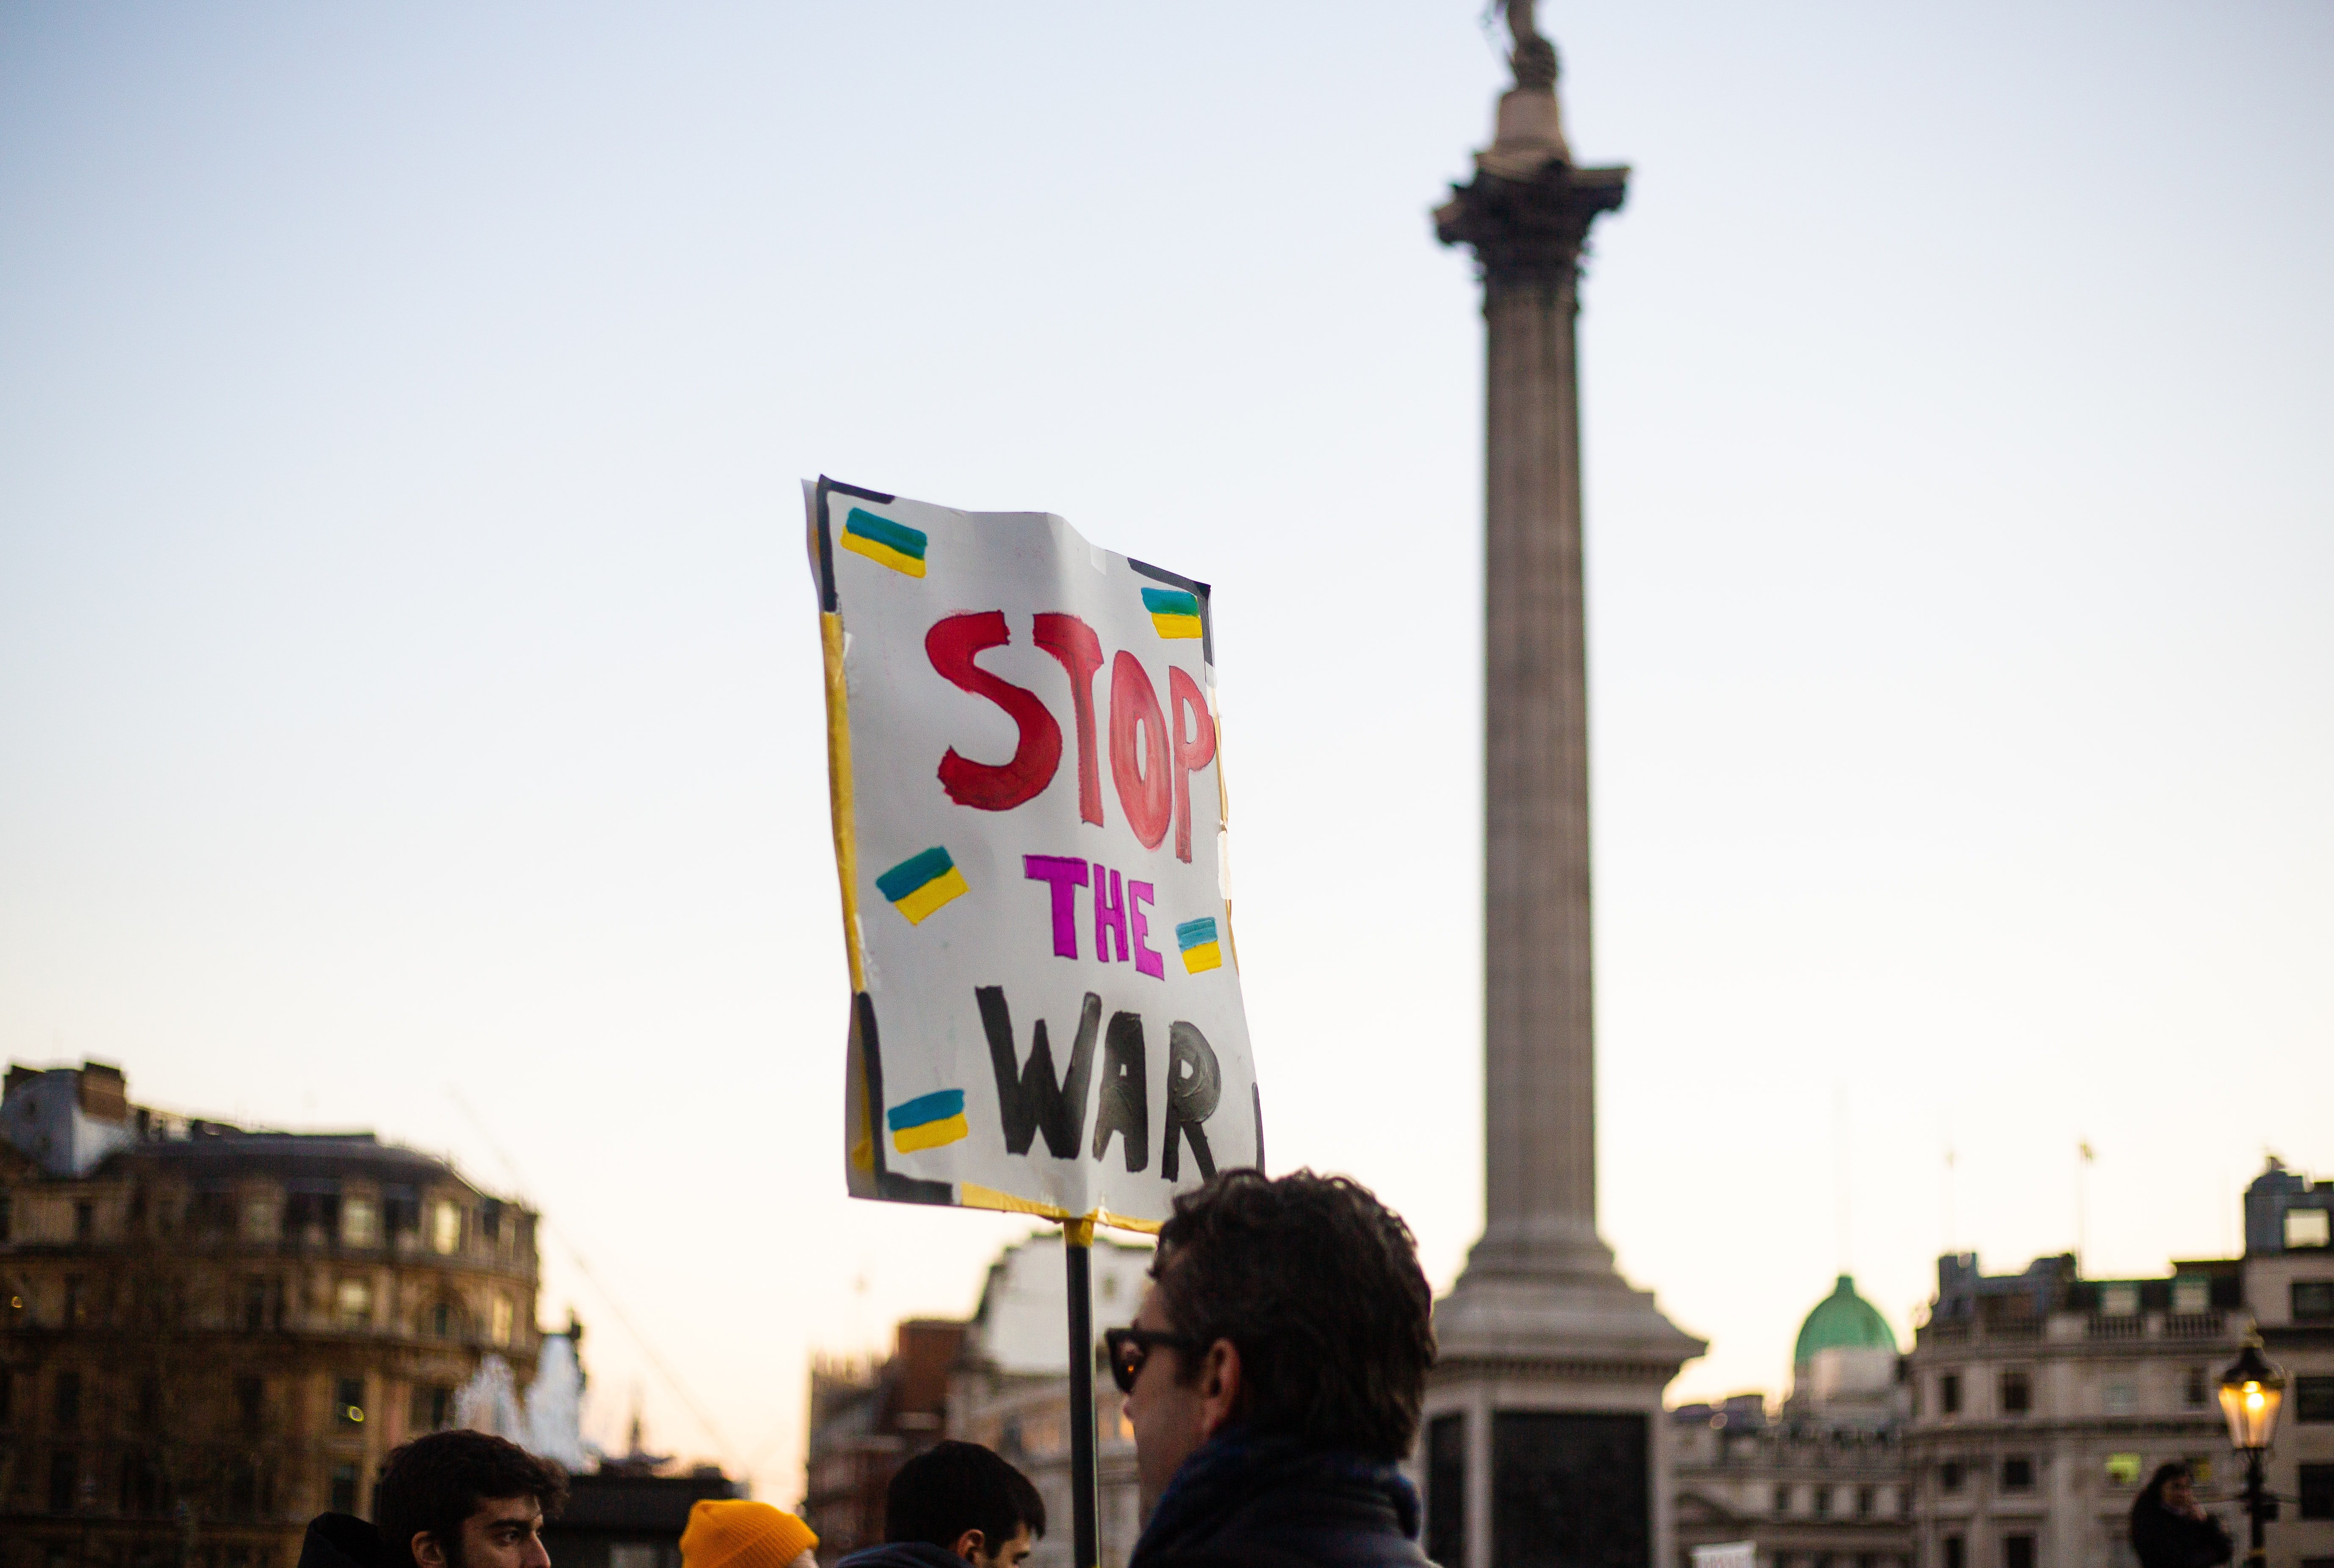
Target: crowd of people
x=1274, y=1374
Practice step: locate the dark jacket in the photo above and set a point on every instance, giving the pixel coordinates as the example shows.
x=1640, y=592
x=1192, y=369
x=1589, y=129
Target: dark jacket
x=902, y=1554
x=2167, y=1539
x=345, y=1541
x=1248, y=1501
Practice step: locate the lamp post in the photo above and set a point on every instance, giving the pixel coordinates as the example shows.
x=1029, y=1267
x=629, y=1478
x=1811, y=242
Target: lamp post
x=2251, y=1391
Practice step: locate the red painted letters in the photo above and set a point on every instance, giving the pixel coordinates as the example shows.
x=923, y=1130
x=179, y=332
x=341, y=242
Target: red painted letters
x=951, y=645
x=1143, y=783
x=1074, y=643
x=1183, y=697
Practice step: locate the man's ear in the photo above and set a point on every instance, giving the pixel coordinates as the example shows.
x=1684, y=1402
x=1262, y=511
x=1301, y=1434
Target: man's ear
x=968, y=1546
x=426, y=1551
x=1220, y=1387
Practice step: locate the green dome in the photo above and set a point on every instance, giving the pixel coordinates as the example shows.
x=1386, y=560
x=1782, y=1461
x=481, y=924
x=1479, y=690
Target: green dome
x=1844, y=1320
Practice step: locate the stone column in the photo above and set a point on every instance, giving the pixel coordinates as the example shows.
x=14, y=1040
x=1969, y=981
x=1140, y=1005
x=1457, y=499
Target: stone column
x=1545, y=1426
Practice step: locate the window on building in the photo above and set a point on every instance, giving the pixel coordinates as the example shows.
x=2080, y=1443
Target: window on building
x=2313, y=1301
x=353, y=1304
x=1949, y=1394
x=446, y=1226
x=2196, y=1391
x=2123, y=1470
x=344, y=1489
x=2018, y=1551
x=2119, y=1398
x=2313, y=1399
x=2017, y=1391
x=259, y=1219
x=360, y=1223
x=84, y=1223
x=2018, y=1473
x=2318, y=1491
x=2192, y=1293
x=1864, y=1501
x=348, y=1404
x=1822, y=1500
x=65, y=1480
x=1956, y=1553
x=1782, y=1500
x=242, y=1488
x=2308, y=1228
x=2200, y=1470
x=149, y=1403
x=65, y=1405
x=2119, y=1301
x=490, y=1223
x=432, y=1408
x=503, y=1319
x=400, y=1210
x=76, y=1301
x=1949, y=1475
x=7, y=1220
x=444, y=1321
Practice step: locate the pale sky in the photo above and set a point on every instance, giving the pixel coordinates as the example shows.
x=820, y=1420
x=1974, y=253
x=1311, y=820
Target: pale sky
x=409, y=685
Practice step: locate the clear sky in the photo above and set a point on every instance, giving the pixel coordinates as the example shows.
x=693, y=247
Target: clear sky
x=409, y=682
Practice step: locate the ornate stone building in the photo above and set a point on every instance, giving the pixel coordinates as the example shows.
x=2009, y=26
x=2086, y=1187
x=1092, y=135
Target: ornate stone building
x=1820, y=1484
x=209, y=1334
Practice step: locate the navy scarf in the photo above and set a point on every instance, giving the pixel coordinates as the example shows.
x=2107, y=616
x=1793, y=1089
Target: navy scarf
x=1236, y=1467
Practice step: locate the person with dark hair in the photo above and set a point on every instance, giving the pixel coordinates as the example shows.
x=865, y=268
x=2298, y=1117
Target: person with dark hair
x=954, y=1504
x=2168, y=1530
x=456, y=1499
x=1273, y=1376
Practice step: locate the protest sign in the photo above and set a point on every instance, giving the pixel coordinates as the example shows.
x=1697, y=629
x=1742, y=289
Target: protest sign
x=1027, y=780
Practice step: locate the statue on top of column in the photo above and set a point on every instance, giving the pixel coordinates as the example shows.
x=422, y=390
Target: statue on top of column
x=1534, y=57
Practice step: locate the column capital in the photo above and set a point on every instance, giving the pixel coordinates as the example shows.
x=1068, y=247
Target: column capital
x=1531, y=229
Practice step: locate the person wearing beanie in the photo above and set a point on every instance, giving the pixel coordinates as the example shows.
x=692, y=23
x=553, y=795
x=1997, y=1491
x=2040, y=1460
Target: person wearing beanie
x=954, y=1504
x=732, y=1532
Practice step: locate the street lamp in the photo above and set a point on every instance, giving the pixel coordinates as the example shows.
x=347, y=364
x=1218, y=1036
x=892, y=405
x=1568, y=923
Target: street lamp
x=2251, y=1391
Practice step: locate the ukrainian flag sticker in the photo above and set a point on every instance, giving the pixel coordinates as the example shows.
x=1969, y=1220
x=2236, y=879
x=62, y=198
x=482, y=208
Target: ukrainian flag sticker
x=921, y=884
x=1196, y=938
x=885, y=542
x=928, y=1121
x=1173, y=612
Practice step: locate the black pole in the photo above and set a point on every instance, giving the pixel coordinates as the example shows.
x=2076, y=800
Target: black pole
x=2255, y=1505
x=1077, y=1257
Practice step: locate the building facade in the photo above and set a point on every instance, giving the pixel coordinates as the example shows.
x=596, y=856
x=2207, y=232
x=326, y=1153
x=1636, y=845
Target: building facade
x=2041, y=1401
x=1820, y=1483
x=208, y=1335
x=2289, y=1290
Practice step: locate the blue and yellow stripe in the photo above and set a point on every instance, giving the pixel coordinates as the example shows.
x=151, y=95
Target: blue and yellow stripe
x=884, y=542
x=928, y=1121
x=1173, y=612
x=1196, y=938
x=921, y=884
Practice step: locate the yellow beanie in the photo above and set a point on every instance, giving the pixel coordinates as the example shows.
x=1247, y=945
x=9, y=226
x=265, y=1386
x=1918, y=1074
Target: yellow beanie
x=731, y=1533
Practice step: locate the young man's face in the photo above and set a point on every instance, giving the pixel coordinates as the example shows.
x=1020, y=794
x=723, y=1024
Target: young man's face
x=501, y=1533
x=1011, y=1554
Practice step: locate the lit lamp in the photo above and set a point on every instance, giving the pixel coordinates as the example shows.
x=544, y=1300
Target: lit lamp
x=2252, y=1389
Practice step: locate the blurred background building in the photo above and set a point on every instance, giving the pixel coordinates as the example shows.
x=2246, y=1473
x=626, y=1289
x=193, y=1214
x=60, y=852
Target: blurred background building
x=2031, y=1409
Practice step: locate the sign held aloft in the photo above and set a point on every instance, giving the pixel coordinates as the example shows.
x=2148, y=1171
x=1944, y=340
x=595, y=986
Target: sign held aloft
x=1023, y=761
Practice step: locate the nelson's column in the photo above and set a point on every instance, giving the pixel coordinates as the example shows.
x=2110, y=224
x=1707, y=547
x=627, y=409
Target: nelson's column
x=1543, y=1431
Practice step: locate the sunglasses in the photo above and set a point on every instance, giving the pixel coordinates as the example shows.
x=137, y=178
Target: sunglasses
x=1130, y=1348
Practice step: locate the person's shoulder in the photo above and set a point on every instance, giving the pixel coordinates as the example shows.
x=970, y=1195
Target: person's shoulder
x=1316, y=1550
x=345, y=1541
x=902, y=1554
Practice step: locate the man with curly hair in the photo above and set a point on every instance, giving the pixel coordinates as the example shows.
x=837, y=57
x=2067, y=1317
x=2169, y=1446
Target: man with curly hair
x=1273, y=1376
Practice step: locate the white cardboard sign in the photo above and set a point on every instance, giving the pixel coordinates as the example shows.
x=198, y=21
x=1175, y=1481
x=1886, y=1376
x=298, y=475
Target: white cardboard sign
x=1026, y=778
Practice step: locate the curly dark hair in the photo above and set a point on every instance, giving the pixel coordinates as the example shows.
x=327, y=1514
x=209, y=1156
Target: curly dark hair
x=1318, y=1285
x=435, y=1483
